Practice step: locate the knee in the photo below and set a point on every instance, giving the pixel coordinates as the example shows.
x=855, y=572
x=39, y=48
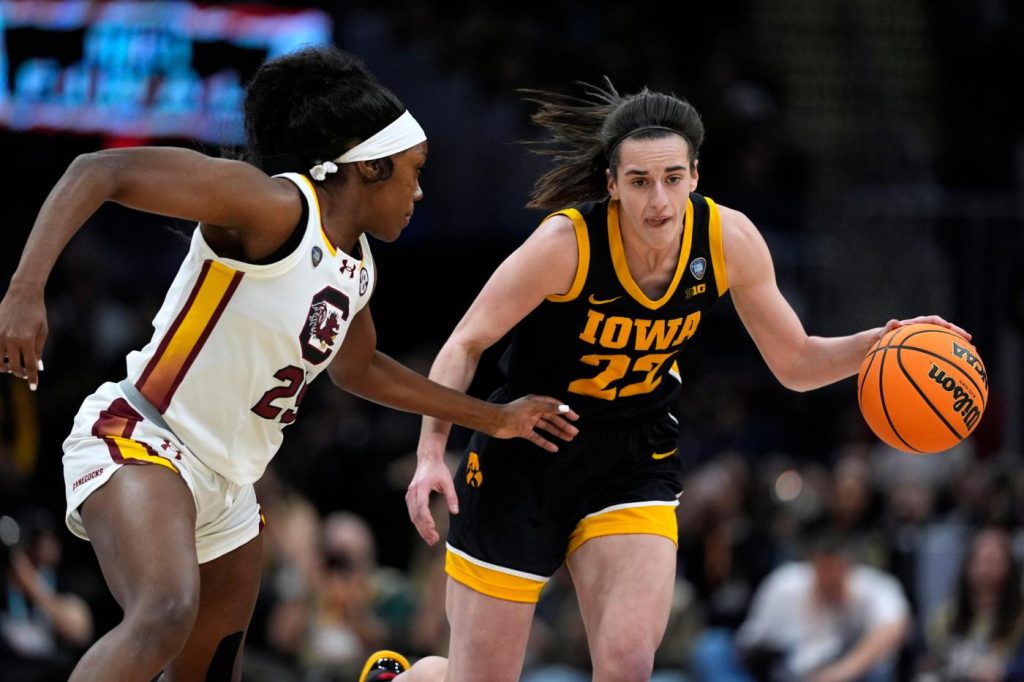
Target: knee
x=431, y=668
x=163, y=620
x=624, y=660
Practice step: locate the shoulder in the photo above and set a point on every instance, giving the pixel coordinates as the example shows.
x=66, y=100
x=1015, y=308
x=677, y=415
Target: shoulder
x=556, y=238
x=736, y=224
x=746, y=253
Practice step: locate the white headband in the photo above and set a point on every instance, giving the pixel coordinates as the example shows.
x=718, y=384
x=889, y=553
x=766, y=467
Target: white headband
x=397, y=136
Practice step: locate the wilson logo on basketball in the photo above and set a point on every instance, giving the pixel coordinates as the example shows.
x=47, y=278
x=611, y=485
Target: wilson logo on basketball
x=963, y=404
x=972, y=360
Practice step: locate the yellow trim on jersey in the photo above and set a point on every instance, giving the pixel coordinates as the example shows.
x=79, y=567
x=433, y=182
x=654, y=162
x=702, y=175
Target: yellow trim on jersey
x=717, y=250
x=320, y=217
x=622, y=267
x=133, y=450
x=490, y=582
x=215, y=286
x=583, y=255
x=648, y=520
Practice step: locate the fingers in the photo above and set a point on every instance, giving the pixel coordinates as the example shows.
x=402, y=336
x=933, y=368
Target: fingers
x=552, y=407
x=22, y=361
x=558, y=427
x=417, y=499
x=448, y=489
x=539, y=440
x=929, y=319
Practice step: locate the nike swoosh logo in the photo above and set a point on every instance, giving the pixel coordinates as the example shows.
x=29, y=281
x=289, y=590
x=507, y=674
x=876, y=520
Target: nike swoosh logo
x=598, y=301
x=663, y=455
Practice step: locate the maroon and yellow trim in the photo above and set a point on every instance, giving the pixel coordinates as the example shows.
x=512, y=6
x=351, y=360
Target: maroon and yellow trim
x=331, y=248
x=185, y=337
x=492, y=582
x=622, y=267
x=651, y=519
x=114, y=427
x=717, y=250
x=583, y=255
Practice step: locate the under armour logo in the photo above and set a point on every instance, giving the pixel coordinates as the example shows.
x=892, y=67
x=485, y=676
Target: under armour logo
x=347, y=269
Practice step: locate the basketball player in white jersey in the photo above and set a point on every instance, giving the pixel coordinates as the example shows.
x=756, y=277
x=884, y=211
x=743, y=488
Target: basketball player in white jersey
x=274, y=290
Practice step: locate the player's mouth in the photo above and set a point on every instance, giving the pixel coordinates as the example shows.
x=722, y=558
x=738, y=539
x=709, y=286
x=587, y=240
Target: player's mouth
x=659, y=221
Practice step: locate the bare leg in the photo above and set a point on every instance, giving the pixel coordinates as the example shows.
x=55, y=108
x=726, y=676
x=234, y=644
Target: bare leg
x=142, y=526
x=488, y=640
x=228, y=589
x=429, y=669
x=624, y=584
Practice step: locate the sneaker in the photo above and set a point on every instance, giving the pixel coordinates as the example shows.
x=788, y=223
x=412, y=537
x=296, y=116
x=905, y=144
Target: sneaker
x=383, y=665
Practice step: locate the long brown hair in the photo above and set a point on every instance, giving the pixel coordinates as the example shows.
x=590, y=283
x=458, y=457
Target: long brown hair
x=585, y=133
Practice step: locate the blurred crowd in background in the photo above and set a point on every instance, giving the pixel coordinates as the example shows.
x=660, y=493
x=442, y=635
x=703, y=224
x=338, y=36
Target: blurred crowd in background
x=879, y=147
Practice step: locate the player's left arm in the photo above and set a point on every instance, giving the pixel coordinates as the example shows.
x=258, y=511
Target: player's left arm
x=361, y=369
x=799, y=361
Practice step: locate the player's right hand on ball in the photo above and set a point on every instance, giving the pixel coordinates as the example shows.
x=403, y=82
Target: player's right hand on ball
x=521, y=418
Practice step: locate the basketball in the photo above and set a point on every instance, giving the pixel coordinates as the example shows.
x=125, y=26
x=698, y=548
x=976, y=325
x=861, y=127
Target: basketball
x=922, y=388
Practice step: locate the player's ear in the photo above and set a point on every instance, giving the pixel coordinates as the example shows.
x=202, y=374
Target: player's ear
x=613, y=190
x=694, y=175
x=374, y=170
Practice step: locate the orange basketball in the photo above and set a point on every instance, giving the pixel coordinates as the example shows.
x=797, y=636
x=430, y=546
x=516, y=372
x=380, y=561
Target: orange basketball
x=922, y=388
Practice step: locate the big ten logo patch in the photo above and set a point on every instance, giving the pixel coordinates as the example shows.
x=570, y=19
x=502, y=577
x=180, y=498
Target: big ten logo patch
x=474, y=477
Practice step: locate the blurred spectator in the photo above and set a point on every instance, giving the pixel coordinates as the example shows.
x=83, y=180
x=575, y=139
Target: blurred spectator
x=723, y=553
x=978, y=636
x=854, y=512
x=823, y=620
x=358, y=606
x=42, y=630
x=19, y=440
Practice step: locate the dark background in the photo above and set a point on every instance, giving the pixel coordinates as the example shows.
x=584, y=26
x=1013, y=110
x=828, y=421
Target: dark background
x=879, y=147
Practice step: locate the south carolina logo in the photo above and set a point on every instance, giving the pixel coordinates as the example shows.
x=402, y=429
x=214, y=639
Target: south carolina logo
x=328, y=309
x=698, y=266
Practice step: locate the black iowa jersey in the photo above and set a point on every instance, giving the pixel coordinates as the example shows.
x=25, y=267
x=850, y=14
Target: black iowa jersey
x=604, y=346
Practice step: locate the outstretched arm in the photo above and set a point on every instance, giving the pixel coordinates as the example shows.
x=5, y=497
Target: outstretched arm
x=361, y=369
x=545, y=264
x=237, y=203
x=800, y=362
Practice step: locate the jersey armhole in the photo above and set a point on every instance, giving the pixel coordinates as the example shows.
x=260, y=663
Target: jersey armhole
x=717, y=249
x=582, y=255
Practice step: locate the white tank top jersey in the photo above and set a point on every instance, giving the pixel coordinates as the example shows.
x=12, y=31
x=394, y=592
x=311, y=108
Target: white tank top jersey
x=236, y=344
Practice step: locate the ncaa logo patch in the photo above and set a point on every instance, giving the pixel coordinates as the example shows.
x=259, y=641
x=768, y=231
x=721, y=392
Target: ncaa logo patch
x=698, y=266
x=364, y=280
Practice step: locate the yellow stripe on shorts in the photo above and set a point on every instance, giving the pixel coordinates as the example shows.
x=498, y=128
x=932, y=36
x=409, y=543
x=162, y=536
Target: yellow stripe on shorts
x=133, y=450
x=491, y=582
x=657, y=519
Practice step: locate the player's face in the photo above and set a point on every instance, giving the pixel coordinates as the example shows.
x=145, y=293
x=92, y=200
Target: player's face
x=395, y=200
x=652, y=185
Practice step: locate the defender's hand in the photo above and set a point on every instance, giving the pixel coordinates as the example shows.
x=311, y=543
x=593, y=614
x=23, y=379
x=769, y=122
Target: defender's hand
x=22, y=334
x=521, y=417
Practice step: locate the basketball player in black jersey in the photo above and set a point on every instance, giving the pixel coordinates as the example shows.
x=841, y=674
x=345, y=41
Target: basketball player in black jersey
x=601, y=299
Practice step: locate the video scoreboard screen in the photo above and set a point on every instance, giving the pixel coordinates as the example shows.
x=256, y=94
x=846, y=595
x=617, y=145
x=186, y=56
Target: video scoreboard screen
x=141, y=69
